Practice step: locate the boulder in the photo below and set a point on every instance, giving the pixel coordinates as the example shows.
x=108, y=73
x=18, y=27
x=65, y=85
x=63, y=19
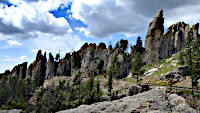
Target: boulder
x=153, y=101
x=151, y=71
x=12, y=111
x=133, y=90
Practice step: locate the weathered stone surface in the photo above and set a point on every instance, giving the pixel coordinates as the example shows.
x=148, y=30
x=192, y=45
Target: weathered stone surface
x=50, y=72
x=162, y=45
x=174, y=39
x=18, y=71
x=37, y=69
x=64, y=67
x=153, y=101
x=12, y=111
x=154, y=35
x=133, y=90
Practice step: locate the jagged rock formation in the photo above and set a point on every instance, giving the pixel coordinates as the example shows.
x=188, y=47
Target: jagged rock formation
x=154, y=35
x=86, y=59
x=152, y=101
x=64, y=66
x=162, y=45
x=50, y=67
x=18, y=71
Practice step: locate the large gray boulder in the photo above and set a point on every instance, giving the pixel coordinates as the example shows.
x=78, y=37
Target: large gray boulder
x=133, y=90
x=12, y=111
x=152, y=101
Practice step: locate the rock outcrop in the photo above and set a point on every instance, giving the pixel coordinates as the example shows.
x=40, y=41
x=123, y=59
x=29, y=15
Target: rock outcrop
x=133, y=90
x=86, y=59
x=153, y=38
x=12, y=111
x=152, y=101
x=18, y=71
x=162, y=45
x=50, y=68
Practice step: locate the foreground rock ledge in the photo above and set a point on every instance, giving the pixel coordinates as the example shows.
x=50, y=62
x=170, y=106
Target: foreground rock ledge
x=12, y=111
x=152, y=101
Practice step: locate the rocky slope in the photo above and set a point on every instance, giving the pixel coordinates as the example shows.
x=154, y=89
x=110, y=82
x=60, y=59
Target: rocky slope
x=162, y=45
x=153, y=101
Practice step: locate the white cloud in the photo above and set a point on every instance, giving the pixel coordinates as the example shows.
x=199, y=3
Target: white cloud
x=130, y=17
x=13, y=42
x=83, y=30
x=34, y=50
x=190, y=16
x=107, y=17
x=52, y=43
x=23, y=57
x=10, y=59
x=28, y=18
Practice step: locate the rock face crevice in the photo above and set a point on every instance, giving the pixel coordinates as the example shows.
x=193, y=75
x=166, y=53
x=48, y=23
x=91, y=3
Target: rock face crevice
x=162, y=45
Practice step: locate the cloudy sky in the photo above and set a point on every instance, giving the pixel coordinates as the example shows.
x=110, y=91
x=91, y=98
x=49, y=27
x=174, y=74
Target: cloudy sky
x=27, y=26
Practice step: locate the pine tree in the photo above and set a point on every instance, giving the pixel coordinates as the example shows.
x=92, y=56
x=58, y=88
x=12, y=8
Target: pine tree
x=100, y=65
x=115, y=70
x=98, y=90
x=57, y=56
x=110, y=75
x=77, y=81
x=137, y=64
x=90, y=89
x=192, y=58
x=123, y=45
x=181, y=60
x=139, y=46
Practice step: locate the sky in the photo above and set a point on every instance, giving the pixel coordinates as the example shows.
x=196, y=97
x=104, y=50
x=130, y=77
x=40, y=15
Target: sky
x=27, y=26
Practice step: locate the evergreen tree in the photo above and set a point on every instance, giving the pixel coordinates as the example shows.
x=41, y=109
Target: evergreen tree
x=77, y=81
x=192, y=58
x=90, y=89
x=110, y=75
x=116, y=46
x=123, y=45
x=139, y=47
x=181, y=60
x=4, y=93
x=98, y=91
x=90, y=83
x=57, y=56
x=100, y=65
x=115, y=70
x=137, y=64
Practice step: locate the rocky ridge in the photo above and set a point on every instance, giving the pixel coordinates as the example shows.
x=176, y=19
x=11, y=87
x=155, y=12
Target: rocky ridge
x=157, y=45
x=153, y=101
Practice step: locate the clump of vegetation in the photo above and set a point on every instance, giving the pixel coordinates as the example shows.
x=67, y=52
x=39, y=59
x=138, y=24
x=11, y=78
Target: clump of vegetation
x=192, y=59
x=14, y=94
